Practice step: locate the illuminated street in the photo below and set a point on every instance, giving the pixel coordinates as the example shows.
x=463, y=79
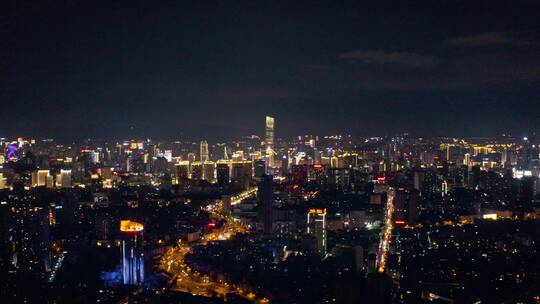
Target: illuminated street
x=386, y=233
x=188, y=280
x=243, y=195
x=256, y=152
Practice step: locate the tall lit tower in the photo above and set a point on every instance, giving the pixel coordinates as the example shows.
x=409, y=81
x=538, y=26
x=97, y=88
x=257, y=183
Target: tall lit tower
x=316, y=225
x=204, y=151
x=132, y=252
x=269, y=141
x=225, y=153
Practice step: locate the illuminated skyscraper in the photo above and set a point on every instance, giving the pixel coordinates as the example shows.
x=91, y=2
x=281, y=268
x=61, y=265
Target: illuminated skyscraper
x=132, y=252
x=269, y=141
x=467, y=159
x=41, y=178
x=136, y=162
x=238, y=156
x=316, y=225
x=63, y=179
x=204, y=151
x=2, y=181
x=225, y=153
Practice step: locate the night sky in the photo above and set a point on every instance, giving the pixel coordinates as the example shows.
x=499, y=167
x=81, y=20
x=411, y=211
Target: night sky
x=79, y=69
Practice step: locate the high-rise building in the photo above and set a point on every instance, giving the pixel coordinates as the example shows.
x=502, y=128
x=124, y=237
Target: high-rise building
x=106, y=173
x=104, y=227
x=444, y=188
x=209, y=169
x=225, y=153
x=339, y=178
x=132, y=252
x=191, y=157
x=359, y=258
x=39, y=178
x=259, y=168
x=418, y=179
x=266, y=202
x=356, y=219
x=241, y=173
x=135, y=162
x=182, y=170
x=299, y=174
x=316, y=225
x=203, y=151
x=238, y=156
x=317, y=174
x=406, y=206
x=467, y=159
x=63, y=179
x=223, y=173
x=2, y=181
x=269, y=141
x=197, y=170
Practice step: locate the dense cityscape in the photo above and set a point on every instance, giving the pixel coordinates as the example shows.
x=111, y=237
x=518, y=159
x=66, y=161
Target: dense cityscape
x=262, y=219
x=270, y=152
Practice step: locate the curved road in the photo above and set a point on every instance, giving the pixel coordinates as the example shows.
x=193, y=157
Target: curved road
x=187, y=279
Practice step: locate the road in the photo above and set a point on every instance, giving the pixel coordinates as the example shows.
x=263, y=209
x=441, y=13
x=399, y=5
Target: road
x=386, y=233
x=188, y=280
x=236, y=199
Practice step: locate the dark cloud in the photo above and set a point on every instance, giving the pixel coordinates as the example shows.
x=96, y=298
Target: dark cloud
x=453, y=73
x=487, y=39
x=386, y=57
x=482, y=61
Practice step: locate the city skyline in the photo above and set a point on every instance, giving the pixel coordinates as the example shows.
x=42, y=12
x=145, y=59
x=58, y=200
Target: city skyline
x=397, y=219
x=265, y=152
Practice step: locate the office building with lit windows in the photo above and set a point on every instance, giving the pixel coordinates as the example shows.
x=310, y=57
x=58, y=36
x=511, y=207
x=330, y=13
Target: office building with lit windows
x=406, y=206
x=269, y=141
x=42, y=178
x=183, y=171
x=204, y=151
x=63, y=179
x=316, y=225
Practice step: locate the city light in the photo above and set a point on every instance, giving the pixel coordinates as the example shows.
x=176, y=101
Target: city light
x=490, y=216
x=386, y=233
x=130, y=226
